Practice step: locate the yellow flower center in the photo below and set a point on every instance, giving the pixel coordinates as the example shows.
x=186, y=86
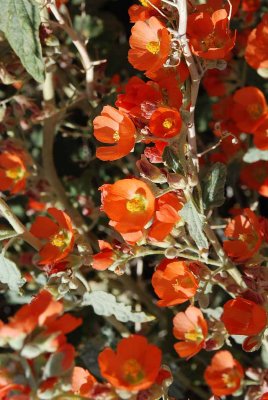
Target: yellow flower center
x=153, y=47
x=16, y=173
x=230, y=378
x=144, y=3
x=137, y=204
x=168, y=123
x=194, y=336
x=255, y=110
x=132, y=371
x=60, y=239
x=176, y=286
x=116, y=136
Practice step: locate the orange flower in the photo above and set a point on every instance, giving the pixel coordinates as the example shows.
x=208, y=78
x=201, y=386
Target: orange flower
x=209, y=35
x=256, y=53
x=255, y=176
x=144, y=11
x=114, y=127
x=224, y=374
x=250, y=5
x=249, y=108
x=166, y=216
x=174, y=283
x=138, y=95
x=105, y=258
x=134, y=366
x=58, y=236
x=222, y=113
x=150, y=45
x=13, y=172
x=190, y=327
x=243, y=317
x=179, y=73
x=42, y=311
x=165, y=123
x=264, y=396
x=213, y=5
x=261, y=135
x=82, y=382
x=245, y=232
x=129, y=203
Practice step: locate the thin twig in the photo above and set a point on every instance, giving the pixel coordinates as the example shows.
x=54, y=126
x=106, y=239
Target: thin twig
x=79, y=44
x=49, y=130
x=18, y=226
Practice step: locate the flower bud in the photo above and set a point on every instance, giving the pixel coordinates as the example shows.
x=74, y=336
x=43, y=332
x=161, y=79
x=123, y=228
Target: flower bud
x=149, y=171
x=176, y=181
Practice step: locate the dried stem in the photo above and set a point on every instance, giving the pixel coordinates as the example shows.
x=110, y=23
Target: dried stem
x=49, y=130
x=181, y=6
x=18, y=226
x=79, y=44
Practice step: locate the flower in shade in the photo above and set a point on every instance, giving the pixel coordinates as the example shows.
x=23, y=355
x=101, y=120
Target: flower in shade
x=209, y=34
x=138, y=96
x=255, y=176
x=143, y=11
x=191, y=328
x=57, y=234
x=224, y=374
x=244, y=233
x=13, y=172
x=256, y=53
x=249, y=108
x=165, y=122
x=243, y=317
x=129, y=203
x=133, y=366
x=174, y=283
x=261, y=135
x=116, y=128
x=150, y=45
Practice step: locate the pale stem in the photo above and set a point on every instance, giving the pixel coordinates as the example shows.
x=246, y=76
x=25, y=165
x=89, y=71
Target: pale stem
x=50, y=126
x=88, y=65
x=181, y=6
x=18, y=226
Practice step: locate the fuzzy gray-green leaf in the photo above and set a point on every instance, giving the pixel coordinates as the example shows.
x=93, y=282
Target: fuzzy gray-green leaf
x=105, y=304
x=10, y=274
x=20, y=21
x=195, y=223
x=213, y=187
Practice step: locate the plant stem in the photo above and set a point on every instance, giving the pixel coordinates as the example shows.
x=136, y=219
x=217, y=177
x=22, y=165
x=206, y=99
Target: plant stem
x=49, y=130
x=181, y=6
x=80, y=46
x=18, y=226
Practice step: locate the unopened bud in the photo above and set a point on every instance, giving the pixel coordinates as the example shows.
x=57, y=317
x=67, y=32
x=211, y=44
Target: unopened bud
x=171, y=253
x=176, y=181
x=149, y=171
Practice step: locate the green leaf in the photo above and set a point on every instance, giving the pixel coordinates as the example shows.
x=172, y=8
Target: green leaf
x=20, y=21
x=195, y=223
x=10, y=274
x=105, y=304
x=171, y=160
x=213, y=186
x=254, y=155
